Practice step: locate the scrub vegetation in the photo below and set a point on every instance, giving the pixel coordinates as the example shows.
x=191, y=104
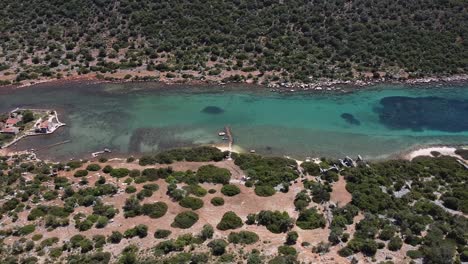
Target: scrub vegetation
x=408, y=210
x=233, y=40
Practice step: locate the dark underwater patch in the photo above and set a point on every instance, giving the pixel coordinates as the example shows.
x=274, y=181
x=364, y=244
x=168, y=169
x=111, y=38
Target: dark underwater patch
x=163, y=138
x=350, y=119
x=213, y=110
x=420, y=113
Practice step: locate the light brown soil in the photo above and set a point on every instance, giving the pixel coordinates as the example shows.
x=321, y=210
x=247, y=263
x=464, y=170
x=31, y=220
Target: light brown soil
x=339, y=195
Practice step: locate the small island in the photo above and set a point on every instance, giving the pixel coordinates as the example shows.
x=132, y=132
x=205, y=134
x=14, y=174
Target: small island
x=21, y=123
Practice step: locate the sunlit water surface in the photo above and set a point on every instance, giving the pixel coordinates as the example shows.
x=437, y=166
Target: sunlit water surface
x=148, y=117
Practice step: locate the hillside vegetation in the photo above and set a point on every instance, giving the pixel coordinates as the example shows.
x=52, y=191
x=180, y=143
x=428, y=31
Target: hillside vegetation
x=399, y=212
x=263, y=41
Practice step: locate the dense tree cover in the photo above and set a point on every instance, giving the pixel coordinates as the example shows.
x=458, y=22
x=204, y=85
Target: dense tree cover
x=320, y=192
x=297, y=40
x=267, y=171
x=213, y=174
x=203, y=153
x=402, y=200
x=311, y=168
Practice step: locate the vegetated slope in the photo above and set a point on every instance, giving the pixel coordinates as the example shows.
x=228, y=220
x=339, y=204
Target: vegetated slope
x=272, y=40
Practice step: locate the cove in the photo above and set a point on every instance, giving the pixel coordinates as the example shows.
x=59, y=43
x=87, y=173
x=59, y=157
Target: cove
x=148, y=117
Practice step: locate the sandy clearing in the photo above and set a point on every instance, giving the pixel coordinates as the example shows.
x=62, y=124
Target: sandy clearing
x=339, y=195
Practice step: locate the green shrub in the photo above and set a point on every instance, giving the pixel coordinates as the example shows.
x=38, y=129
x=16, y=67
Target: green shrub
x=310, y=219
x=154, y=210
x=229, y=221
x=311, y=168
x=36, y=237
x=76, y=239
x=119, y=173
x=140, y=230
x=50, y=195
x=196, y=190
x=264, y=190
x=287, y=250
x=146, y=160
x=99, y=241
x=213, y=174
x=134, y=173
x=217, y=201
x=185, y=220
x=230, y=190
x=81, y=173
x=395, y=244
x=130, y=189
x=414, y=254
x=162, y=233
x=49, y=242
x=267, y=171
x=206, y=232
x=107, y=169
x=243, y=237
x=93, y=167
x=26, y=230
x=55, y=252
x=74, y=164
x=102, y=221
x=291, y=238
x=115, y=237
x=144, y=193
x=152, y=187
x=191, y=202
x=218, y=246
x=276, y=222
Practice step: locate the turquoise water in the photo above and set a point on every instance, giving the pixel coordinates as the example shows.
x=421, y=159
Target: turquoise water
x=145, y=117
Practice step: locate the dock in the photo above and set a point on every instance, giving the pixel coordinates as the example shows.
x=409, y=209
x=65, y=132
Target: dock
x=229, y=136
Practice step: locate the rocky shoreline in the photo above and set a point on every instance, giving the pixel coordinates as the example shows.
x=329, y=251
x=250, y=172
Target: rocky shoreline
x=340, y=85
x=324, y=85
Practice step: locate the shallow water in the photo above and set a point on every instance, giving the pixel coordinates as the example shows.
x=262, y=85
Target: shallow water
x=137, y=117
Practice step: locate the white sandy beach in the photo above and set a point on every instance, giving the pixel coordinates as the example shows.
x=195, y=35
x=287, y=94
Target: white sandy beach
x=447, y=151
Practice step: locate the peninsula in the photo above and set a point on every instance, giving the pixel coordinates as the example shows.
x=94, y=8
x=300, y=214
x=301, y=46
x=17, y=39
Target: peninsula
x=20, y=123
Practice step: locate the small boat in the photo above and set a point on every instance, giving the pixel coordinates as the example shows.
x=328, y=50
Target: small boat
x=252, y=151
x=221, y=134
x=107, y=150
